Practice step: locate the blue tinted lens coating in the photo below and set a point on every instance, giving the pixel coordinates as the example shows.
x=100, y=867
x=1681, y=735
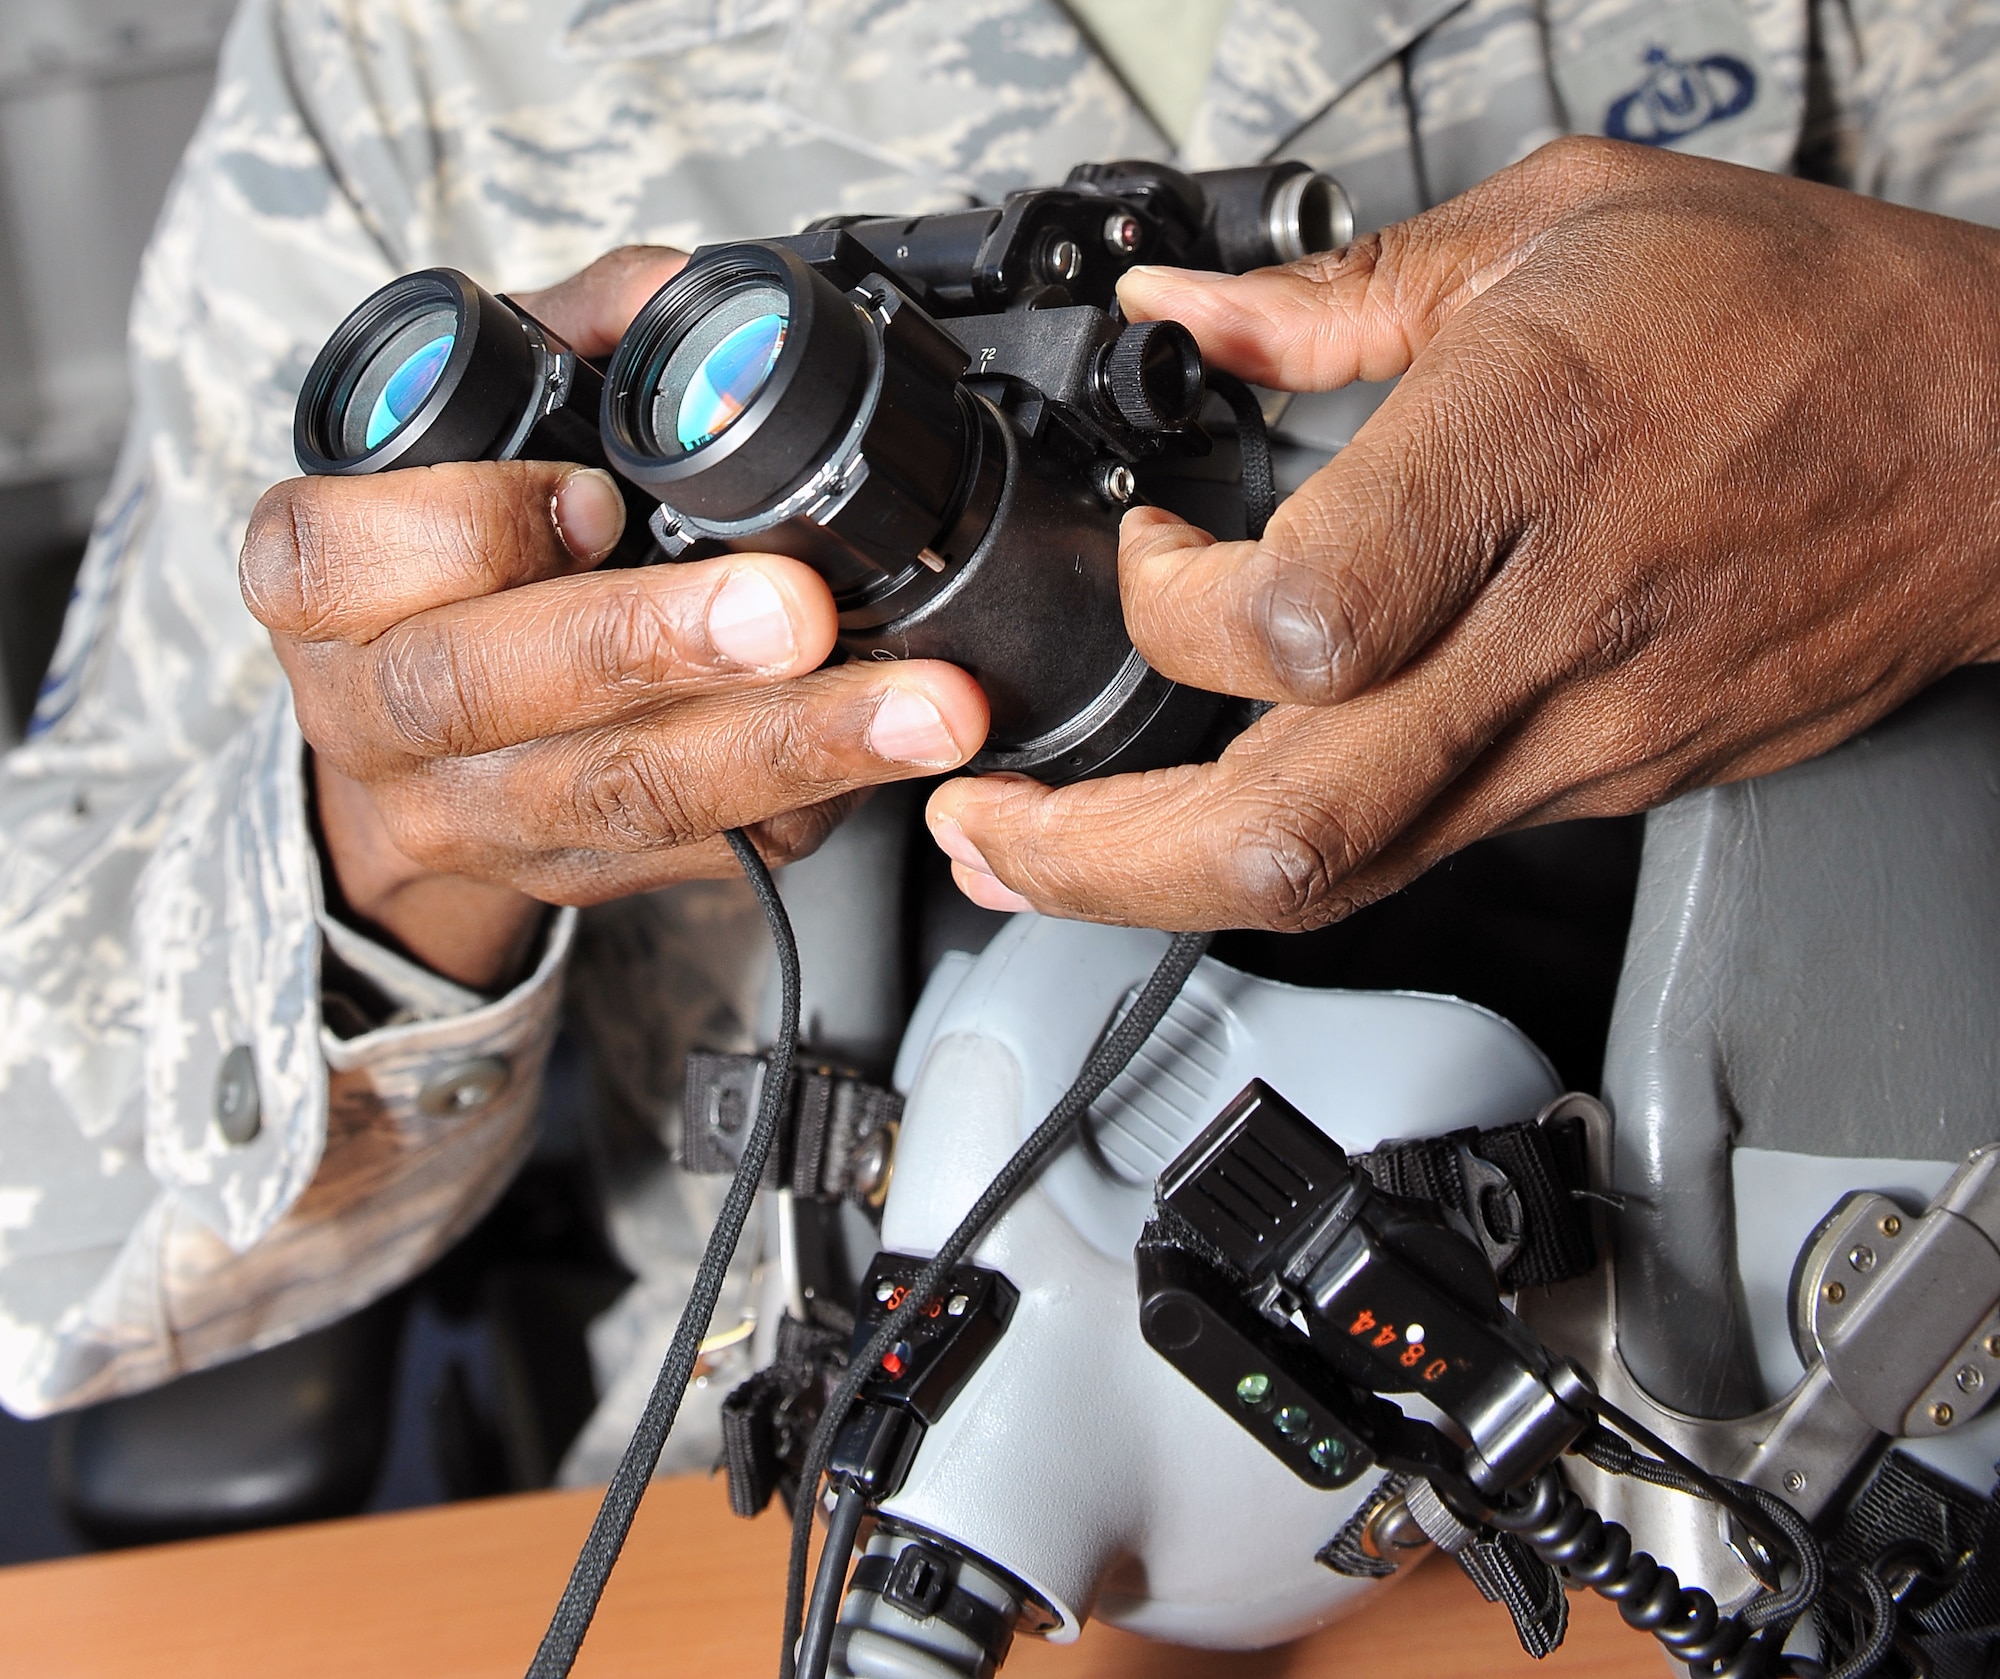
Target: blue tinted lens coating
x=407, y=388
x=728, y=380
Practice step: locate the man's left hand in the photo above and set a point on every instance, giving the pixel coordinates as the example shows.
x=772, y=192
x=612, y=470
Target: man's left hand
x=1692, y=473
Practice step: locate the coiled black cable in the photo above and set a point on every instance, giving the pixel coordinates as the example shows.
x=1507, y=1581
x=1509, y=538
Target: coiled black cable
x=1767, y=1517
x=1567, y=1534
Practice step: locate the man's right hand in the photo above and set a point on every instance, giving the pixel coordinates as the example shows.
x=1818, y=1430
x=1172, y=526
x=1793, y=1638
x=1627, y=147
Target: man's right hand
x=499, y=725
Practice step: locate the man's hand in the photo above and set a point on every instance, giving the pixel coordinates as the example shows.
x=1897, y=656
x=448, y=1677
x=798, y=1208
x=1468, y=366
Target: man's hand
x=498, y=725
x=1692, y=473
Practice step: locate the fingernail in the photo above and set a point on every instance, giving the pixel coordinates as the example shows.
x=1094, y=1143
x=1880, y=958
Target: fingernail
x=988, y=893
x=951, y=840
x=907, y=729
x=748, y=623
x=589, y=513
x=1159, y=271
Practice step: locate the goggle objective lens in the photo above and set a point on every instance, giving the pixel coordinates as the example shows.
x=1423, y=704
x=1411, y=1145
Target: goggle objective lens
x=407, y=387
x=728, y=380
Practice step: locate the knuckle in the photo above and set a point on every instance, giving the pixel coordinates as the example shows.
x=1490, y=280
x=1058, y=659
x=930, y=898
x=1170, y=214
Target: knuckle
x=1312, y=628
x=628, y=642
x=1615, y=632
x=630, y=802
x=795, y=834
x=283, y=568
x=1285, y=866
x=1358, y=260
x=486, y=525
x=429, y=700
x=793, y=746
x=1580, y=164
x=470, y=531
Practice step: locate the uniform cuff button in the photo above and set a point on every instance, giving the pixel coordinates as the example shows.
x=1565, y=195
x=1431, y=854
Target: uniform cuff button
x=465, y=1087
x=237, y=1107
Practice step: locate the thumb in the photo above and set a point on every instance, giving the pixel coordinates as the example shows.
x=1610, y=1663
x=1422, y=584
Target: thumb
x=1368, y=311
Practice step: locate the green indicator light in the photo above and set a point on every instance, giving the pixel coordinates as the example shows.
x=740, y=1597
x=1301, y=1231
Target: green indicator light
x=1254, y=1389
x=1293, y=1422
x=1328, y=1454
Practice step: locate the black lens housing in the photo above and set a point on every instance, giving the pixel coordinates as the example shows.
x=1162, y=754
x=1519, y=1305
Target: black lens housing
x=942, y=529
x=858, y=453
x=510, y=389
x=797, y=417
x=1269, y=213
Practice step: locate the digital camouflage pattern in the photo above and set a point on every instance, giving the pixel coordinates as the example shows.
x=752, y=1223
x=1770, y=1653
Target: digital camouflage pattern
x=160, y=901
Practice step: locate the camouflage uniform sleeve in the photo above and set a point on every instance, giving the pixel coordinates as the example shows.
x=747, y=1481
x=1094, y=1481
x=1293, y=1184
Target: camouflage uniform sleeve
x=191, y=1164
x=1911, y=105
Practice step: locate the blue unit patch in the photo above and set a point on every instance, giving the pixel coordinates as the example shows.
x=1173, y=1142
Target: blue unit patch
x=1680, y=96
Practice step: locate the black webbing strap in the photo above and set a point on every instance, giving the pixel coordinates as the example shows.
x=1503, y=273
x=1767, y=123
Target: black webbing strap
x=957, y=1607
x=1539, y=1209
x=769, y=1417
x=1509, y=1574
x=1348, y=1551
x=835, y=1135
x=1937, y=1547
x=1253, y=437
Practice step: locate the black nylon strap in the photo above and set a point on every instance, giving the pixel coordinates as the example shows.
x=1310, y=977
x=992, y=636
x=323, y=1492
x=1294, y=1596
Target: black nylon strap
x=749, y=1446
x=973, y=1616
x=1547, y=1171
x=1347, y=1551
x=769, y=1417
x=830, y=1114
x=1939, y=1544
x=1509, y=1574
x=1253, y=437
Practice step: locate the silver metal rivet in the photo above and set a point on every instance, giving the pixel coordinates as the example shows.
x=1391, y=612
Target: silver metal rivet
x=239, y=1111
x=956, y=1305
x=883, y=1291
x=1861, y=1257
x=1970, y=1378
x=1795, y=1481
x=465, y=1087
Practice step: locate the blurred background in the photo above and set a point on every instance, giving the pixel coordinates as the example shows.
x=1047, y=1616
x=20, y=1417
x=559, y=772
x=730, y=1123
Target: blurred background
x=97, y=99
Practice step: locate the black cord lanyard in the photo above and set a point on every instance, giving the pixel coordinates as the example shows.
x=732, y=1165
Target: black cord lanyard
x=571, y=1621
x=557, y=1653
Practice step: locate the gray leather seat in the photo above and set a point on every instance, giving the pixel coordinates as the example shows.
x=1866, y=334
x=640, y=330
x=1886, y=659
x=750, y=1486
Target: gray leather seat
x=1813, y=967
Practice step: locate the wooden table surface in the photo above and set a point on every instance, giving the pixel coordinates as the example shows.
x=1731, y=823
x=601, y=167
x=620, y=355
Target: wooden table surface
x=463, y=1592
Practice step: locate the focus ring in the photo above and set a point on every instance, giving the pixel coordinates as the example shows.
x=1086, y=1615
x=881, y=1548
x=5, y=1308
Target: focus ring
x=1153, y=375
